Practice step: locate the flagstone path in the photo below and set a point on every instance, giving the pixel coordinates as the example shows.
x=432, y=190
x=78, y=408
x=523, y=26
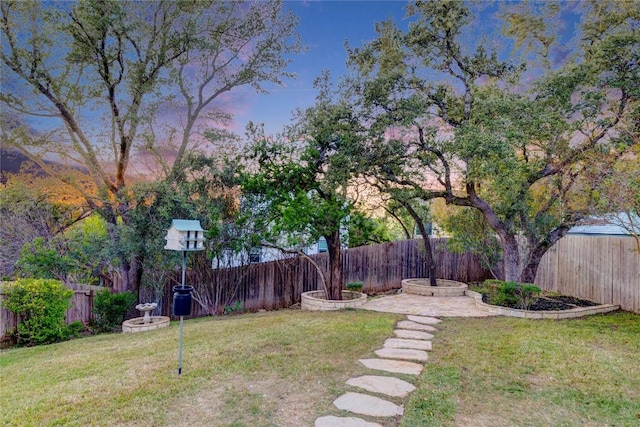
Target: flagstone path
x=403, y=354
x=400, y=355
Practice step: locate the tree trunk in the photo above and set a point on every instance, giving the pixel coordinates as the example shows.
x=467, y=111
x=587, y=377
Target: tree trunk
x=334, y=287
x=511, y=256
x=426, y=243
x=528, y=274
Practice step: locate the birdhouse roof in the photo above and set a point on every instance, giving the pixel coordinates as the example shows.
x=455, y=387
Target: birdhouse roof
x=186, y=225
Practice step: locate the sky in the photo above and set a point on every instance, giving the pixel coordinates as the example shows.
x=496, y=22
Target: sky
x=324, y=27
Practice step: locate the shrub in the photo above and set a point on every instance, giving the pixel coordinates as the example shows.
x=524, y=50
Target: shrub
x=355, y=286
x=510, y=294
x=109, y=309
x=41, y=305
x=527, y=294
x=233, y=309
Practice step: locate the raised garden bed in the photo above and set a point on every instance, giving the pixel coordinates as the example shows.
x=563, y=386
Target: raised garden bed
x=443, y=288
x=563, y=308
x=316, y=301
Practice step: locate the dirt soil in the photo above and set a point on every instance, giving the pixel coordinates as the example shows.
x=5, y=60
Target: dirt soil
x=552, y=303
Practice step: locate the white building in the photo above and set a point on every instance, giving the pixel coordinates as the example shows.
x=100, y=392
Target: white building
x=264, y=254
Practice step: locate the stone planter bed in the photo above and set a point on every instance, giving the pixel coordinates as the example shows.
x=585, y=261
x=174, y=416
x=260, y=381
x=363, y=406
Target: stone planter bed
x=530, y=314
x=315, y=301
x=443, y=288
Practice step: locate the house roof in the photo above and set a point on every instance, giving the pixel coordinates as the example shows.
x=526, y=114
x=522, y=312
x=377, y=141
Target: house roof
x=610, y=226
x=186, y=225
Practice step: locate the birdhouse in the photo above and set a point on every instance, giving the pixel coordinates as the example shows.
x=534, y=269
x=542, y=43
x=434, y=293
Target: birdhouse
x=185, y=235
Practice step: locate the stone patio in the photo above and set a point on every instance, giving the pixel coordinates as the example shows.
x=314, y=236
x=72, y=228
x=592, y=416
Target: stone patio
x=426, y=306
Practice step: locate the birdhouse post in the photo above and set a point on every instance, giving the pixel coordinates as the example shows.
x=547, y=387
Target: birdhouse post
x=186, y=236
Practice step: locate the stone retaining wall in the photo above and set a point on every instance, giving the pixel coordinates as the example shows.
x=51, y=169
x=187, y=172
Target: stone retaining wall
x=529, y=314
x=443, y=288
x=315, y=301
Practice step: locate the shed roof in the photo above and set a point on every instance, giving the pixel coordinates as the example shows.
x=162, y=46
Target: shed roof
x=186, y=225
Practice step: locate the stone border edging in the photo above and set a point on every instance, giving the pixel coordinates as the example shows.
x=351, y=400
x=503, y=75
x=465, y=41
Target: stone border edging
x=529, y=314
x=443, y=288
x=315, y=301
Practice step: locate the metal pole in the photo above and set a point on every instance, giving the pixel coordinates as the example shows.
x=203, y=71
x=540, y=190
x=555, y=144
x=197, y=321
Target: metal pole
x=184, y=272
x=180, y=346
x=184, y=266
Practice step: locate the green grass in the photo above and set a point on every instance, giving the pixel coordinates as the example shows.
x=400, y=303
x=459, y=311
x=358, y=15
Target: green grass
x=267, y=369
x=285, y=368
x=516, y=372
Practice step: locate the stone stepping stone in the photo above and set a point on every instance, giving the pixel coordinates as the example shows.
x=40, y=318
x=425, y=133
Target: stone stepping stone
x=405, y=343
x=407, y=324
x=391, y=386
x=425, y=320
x=332, y=421
x=414, y=335
x=364, y=404
x=393, y=366
x=401, y=353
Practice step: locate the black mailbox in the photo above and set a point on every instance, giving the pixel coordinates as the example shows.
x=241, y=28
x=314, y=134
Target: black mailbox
x=182, y=300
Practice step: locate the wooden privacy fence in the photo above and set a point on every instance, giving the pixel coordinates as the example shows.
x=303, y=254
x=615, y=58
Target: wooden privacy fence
x=603, y=269
x=80, y=309
x=279, y=284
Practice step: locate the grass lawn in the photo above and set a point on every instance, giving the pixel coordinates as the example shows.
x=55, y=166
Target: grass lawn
x=266, y=369
x=515, y=372
x=285, y=368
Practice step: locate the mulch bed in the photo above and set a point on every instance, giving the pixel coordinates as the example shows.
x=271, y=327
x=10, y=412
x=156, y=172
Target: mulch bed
x=552, y=303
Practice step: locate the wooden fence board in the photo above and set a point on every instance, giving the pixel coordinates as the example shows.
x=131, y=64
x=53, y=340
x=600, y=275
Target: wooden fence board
x=602, y=269
x=279, y=284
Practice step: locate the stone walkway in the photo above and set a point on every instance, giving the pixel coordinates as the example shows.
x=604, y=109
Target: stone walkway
x=403, y=354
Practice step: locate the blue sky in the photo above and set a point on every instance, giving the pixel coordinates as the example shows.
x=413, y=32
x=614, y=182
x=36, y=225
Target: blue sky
x=324, y=27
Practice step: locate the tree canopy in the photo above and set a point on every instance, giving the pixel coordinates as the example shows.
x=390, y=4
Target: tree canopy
x=457, y=121
x=302, y=180
x=101, y=83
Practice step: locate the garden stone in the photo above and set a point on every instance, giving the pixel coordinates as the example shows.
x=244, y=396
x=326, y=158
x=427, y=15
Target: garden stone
x=364, y=404
x=405, y=343
x=394, y=366
x=332, y=421
x=414, y=335
x=399, y=353
x=425, y=320
x=407, y=324
x=391, y=386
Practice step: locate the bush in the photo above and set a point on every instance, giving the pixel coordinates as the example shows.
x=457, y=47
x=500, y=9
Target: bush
x=510, y=294
x=355, y=286
x=41, y=305
x=109, y=309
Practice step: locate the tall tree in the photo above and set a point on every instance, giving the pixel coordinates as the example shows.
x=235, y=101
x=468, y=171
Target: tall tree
x=92, y=83
x=453, y=120
x=302, y=181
